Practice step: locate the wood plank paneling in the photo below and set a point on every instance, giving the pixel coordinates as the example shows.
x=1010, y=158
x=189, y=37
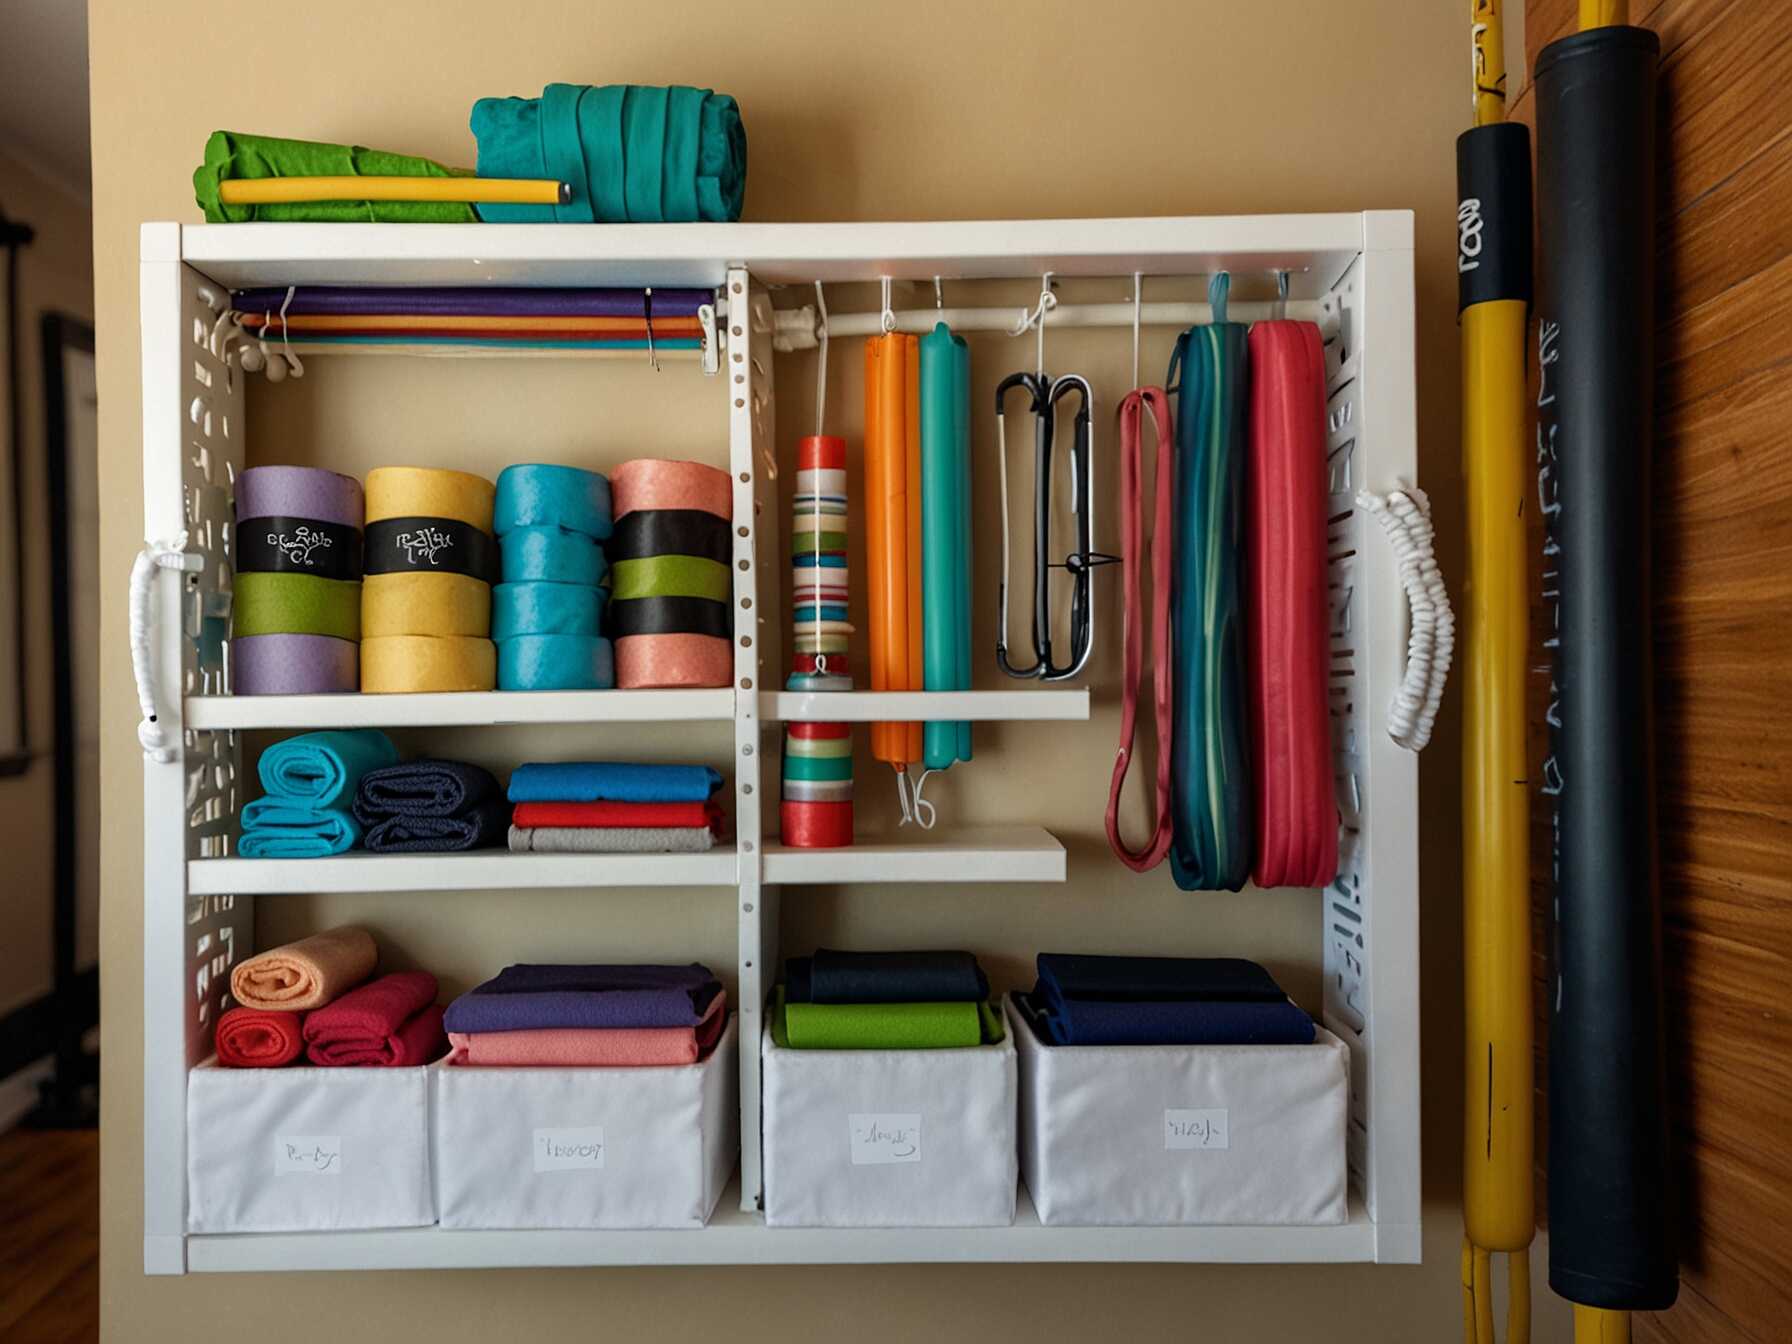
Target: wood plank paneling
x=1723, y=644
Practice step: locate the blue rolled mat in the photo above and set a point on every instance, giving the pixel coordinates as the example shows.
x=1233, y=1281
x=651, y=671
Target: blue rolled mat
x=542, y=495
x=279, y=828
x=542, y=608
x=611, y=782
x=321, y=770
x=555, y=663
x=553, y=555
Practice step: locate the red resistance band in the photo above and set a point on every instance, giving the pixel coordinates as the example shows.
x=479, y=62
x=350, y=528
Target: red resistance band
x=1285, y=522
x=1132, y=549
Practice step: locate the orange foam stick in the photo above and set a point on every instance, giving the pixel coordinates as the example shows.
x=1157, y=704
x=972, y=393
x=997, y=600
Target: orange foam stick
x=914, y=671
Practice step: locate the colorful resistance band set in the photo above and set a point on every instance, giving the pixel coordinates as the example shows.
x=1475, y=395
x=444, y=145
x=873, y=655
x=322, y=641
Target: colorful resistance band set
x=438, y=580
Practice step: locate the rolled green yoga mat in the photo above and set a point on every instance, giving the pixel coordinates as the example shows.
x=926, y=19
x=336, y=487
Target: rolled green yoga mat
x=231, y=154
x=883, y=1026
x=295, y=604
x=669, y=576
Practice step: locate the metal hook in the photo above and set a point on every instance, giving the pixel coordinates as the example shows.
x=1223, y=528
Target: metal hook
x=821, y=360
x=647, y=314
x=939, y=296
x=888, y=319
x=1138, y=294
x=924, y=814
x=1281, y=295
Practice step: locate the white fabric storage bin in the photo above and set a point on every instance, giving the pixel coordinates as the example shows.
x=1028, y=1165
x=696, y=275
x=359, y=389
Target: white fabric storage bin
x=1164, y=1135
x=307, y=1149
x=597, y=1147
x=889, y=1138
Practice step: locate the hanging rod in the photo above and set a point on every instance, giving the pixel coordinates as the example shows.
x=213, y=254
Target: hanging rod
x=799, y=329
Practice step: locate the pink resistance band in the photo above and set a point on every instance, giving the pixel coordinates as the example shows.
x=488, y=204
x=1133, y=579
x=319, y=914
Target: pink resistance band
x=1132, y=547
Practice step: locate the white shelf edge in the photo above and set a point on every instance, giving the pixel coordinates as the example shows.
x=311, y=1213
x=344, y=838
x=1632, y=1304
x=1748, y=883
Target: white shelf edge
x=1006, y=854
x=475, y=870
x=736, y=1238
x=1055, y=706
x=461, y=708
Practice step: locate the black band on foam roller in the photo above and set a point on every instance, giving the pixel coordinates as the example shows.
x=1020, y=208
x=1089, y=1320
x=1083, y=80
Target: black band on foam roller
x=643, y=533
x=282, y=545
x=1493, y=214
x=667, y=616
x=1611, y=1225
x=430, y=546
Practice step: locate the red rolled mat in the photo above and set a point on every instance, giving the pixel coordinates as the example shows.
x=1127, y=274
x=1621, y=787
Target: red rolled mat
x=658, y=483
x=644, y=661
x=1285, y=503
x=816, y=825
x=618, y=814
x=253, y=1038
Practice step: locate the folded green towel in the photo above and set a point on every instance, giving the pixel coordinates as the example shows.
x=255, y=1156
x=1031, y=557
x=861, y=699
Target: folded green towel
x=231, y=154
x=883, y=1026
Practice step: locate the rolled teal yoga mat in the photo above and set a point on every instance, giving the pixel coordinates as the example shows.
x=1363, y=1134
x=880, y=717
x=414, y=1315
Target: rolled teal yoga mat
x=630, y=153
x=555, y=663
x=550, y=555
x=1210, y=774
x=946, y=534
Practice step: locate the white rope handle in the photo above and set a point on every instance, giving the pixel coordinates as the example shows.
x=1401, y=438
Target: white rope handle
x=156, y=555
x=1405, y=516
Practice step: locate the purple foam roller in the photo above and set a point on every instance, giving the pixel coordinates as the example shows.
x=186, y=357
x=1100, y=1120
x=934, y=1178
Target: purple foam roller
x=299, y=492
x=294, y=665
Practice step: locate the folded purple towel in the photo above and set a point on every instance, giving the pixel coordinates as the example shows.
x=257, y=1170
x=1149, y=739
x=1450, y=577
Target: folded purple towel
x=532, y=997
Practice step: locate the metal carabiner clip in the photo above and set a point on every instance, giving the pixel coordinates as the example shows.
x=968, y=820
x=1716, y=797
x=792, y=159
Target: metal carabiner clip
x=1043, y=395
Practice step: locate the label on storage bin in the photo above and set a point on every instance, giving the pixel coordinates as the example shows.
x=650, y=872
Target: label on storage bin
x=308, y=1154
x=1196, y=1129
x=880, y=1138
x=570, y=1149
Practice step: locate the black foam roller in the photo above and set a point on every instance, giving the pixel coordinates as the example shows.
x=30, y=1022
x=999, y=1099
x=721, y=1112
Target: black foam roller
x=1611, y=1230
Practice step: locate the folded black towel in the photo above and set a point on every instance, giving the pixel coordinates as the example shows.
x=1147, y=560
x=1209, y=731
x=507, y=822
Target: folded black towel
x=420, y=807
x=885, y=977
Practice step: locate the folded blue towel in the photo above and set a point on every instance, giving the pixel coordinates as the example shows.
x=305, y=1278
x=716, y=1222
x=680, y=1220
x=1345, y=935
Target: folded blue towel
x=279, y=828
x=322, y=770
x=611, y=782
x=1091, y=1000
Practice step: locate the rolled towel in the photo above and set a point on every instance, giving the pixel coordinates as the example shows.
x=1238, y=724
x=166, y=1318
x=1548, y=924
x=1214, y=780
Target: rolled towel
x=541, y=495
x=556, y=663
x=392, y=1022
x=323, y=769
x=252, y=1038
x=278, y=828
x=399, y=663
x=645, y=662
x=574, y=1047
x=434, y=807
x=544, y=608
x=294, y=604
x=527, y=996
x=307, y=974
x=885, y=977
x=659, y=483
x=612, y=840
x=553, y=555
x=611, y=781
x=293, y=665
x=619, y=814
x=883, y=1026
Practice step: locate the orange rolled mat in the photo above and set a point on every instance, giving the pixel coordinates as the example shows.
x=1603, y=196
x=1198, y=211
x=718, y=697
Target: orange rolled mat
x=893, y=532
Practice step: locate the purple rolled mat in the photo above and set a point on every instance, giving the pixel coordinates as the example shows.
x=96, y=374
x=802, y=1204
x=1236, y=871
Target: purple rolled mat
x=300, y=492
x=294, y=665
x=496, y=302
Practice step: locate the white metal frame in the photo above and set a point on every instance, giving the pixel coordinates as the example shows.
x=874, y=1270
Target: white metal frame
x=1356, y=269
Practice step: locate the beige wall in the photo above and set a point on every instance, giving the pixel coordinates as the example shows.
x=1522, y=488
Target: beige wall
x=55, y=275
x=931, y=110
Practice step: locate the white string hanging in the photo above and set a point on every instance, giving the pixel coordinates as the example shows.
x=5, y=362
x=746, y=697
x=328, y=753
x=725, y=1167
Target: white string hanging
x=1405, y=516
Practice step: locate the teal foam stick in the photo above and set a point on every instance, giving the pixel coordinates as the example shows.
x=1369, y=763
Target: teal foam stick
x=945, y=554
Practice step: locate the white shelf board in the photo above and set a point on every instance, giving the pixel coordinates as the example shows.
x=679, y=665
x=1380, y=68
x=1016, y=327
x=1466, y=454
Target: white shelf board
x=1005, y=854
x=911, y=706
x=458, y=708
x=1316, y=247
x=737, y=1238
x=476, y=870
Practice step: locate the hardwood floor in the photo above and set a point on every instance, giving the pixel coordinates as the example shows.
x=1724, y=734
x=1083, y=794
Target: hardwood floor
x=50, y=1236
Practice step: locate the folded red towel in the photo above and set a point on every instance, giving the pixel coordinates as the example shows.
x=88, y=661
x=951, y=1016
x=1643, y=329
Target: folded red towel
x=393, y=1022
x=618, y=814
x=252, y=1038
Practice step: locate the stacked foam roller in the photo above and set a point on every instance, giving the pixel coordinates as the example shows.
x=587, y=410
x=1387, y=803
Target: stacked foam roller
x=816, y=807
x=547, y=614
x=296, y=614
x=670, y=585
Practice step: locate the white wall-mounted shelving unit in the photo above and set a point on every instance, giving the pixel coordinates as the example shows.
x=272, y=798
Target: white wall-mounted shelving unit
x=1358, y=268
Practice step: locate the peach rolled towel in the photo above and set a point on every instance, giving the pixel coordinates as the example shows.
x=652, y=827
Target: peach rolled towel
x=307, y=974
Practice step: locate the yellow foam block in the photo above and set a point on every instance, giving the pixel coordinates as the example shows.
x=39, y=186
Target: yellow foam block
x=394, y=664
x=428, y=492
x=416, y=603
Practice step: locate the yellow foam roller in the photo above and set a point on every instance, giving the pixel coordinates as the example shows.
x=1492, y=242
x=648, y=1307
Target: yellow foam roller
x=418, y=603
x=429, y=492
x=394, y=664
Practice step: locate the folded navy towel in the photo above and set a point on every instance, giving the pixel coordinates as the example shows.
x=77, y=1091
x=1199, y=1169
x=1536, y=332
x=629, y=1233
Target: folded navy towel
x=483, y=826
x=885, y=977
x=1081, y=976
x=422, y=789
x=1171, y=1001
x=534, y=997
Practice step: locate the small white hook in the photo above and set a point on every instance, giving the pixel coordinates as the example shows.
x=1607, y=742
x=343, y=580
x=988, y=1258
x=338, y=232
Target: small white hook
x=1281, y=295
x=821, y=360
x=888, y=320
x=939, y=296
x=925, y=815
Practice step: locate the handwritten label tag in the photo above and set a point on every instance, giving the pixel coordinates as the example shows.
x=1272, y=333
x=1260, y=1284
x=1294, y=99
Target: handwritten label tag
x=879, y=1139
x=1196, y=1129
x=570, y=1149
x=308, y=1154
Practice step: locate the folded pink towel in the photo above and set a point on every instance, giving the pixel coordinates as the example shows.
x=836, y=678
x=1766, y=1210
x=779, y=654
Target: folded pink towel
x=392, y=1022
x=584, y=1048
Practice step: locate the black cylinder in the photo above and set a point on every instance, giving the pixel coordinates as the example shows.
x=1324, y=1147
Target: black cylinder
x=1611, y=1230
x=1493, y=214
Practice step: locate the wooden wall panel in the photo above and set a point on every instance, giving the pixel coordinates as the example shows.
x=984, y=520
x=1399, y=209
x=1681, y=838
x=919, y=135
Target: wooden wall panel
x=1723, y=648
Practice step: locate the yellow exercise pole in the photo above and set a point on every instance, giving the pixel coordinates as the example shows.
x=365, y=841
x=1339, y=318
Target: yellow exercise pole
x=1603, y=13
x=465, y=190
x=1493, y=267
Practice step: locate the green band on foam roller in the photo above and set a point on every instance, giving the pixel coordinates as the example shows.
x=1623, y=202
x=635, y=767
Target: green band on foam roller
x=946, y=534
x=669, y=576
x=818, y=767
x=295, y=604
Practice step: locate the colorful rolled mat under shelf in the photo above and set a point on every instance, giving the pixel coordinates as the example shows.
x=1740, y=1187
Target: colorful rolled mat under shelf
x=815, y=802
x=671, y=588
x=296, y=601
x=547, y=614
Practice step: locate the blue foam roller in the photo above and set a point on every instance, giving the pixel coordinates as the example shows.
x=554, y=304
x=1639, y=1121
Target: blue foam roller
x=539, y=495
x=555, y=663
x=551, y=555
x=540, y=608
